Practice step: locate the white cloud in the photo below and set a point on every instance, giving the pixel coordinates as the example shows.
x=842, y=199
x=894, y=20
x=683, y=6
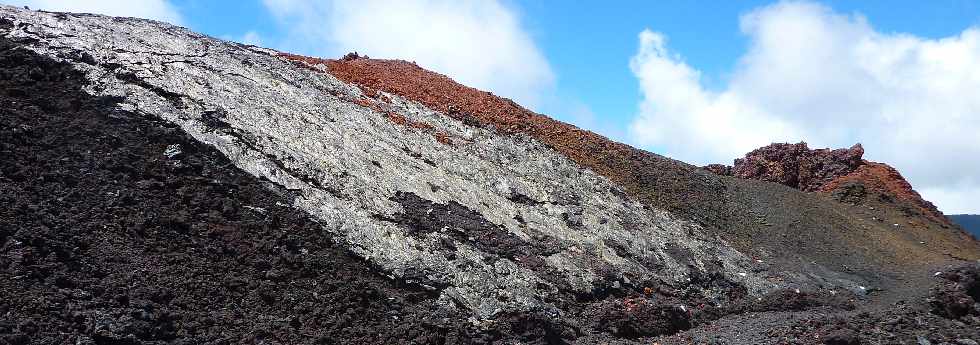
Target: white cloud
x=959, y=199
x=160, y=10
x=478, y=43
x=252, y=38
x=829, y=79
x=684, y=120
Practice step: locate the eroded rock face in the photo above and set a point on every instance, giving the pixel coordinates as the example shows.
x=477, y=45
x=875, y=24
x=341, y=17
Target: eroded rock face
x=118, y=228
x=492, y=223
x=794, y=165
x=958, y=294
x=842, y=173
x=728, y=207
x=398, y=201
x=884, y=182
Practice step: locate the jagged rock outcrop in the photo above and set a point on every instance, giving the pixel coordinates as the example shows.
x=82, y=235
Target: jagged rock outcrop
x=794, y=165
x=841, y=173
x=174, y=187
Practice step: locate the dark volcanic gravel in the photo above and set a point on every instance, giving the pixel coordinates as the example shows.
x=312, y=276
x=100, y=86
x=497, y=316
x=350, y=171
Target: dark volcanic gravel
x=105, y=239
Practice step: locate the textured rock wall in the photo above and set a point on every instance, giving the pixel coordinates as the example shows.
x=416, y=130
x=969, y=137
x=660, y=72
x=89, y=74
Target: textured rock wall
x=836, y=172
x=883, y=181
x=494, y=223
x=771, y=221
x=794, y=165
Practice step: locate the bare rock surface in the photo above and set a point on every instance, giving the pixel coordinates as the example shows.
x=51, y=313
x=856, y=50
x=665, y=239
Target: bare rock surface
x=796, y=233
x=530, y=222
x=839, y=172
x=794, y=165
x=264, y=183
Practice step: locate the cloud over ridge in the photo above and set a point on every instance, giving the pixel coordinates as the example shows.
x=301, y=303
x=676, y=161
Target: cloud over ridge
x=829, y=79
x=480, y=43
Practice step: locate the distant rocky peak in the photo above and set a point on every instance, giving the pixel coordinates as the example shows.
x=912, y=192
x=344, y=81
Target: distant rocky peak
x=828, y=171
x=794, y=165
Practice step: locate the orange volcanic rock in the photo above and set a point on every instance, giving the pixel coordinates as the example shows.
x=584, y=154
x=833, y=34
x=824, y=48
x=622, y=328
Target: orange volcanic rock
x=794, y=165
x=635, y=170
x=885, y=180
x=827, y=171
x=731, y=208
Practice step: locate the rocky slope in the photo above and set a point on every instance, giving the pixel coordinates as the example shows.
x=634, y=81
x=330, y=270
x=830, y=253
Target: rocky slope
x=170, y=187
x=758, y=218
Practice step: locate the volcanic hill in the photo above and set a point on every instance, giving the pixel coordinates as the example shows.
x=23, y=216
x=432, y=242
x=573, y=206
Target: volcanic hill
x=161, y=186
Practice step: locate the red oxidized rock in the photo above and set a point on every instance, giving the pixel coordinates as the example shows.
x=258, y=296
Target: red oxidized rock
x=796, y=165
x=884, y=179
x=719, y=169
x=827, y=171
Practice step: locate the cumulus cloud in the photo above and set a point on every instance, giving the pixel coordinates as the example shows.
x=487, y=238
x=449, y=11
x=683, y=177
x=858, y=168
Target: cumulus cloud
x=478, y=43
x=160, y=10
x=961, y=198
x=684, y=120
x=252, y=38
x=829, y=79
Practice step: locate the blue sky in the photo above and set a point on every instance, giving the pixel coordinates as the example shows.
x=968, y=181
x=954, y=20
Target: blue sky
x=588, y=44
x=700, y=81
